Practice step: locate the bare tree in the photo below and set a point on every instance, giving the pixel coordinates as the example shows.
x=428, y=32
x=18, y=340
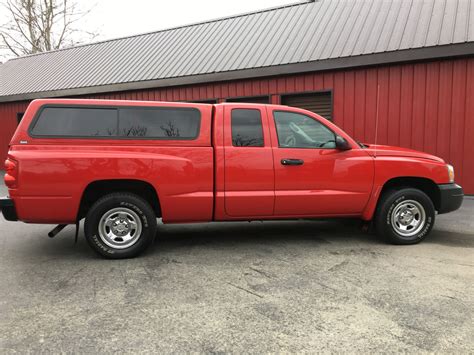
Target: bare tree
x=34, y=26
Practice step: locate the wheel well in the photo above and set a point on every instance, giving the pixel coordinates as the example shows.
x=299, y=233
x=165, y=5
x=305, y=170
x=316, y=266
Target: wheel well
x=428, y=186
x=97, y=189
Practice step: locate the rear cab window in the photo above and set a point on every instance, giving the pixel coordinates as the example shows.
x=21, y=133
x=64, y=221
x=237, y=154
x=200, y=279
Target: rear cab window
x=121, y=122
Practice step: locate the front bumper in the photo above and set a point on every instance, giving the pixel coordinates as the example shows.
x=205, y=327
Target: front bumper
x=450, y=198
x=7, y=206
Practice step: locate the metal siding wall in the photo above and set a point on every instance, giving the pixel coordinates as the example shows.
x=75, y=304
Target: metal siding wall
x=426, y=106
x=467, y=148
x=8, y=125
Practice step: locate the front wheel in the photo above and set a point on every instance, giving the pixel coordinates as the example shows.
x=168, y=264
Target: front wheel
x=120, y=225
x=405, y=216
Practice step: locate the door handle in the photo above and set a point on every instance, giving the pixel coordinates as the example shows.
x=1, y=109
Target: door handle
x=292, y=162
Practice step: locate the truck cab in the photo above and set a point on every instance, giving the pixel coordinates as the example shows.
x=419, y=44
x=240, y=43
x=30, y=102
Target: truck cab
x=289, y=162
x=120, y=165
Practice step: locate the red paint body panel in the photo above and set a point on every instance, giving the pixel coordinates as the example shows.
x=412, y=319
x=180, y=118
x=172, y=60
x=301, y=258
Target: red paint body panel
x=53, y=179
x=389, y=167
x=388, y=151
x=208, y=178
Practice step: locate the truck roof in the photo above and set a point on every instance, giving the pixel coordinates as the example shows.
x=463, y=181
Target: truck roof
x=66, y=101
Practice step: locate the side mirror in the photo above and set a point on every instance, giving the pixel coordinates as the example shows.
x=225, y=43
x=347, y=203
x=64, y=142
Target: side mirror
x=342, y=144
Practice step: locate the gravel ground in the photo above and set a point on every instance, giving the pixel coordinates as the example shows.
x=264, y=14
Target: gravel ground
x=241, y=287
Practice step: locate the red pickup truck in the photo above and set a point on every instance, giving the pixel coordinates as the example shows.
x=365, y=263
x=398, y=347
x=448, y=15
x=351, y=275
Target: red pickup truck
x=123, y=164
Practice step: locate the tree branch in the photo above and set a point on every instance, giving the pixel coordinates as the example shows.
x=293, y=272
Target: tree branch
x=41, y=25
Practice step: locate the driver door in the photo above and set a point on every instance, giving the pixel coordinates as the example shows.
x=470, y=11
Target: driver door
x=312, y=177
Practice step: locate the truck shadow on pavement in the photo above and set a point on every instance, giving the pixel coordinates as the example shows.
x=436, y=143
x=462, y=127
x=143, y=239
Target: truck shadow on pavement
x=229, y=236
x=258, y=233
x=450, y=239
x=236, y=233
x=225, y=236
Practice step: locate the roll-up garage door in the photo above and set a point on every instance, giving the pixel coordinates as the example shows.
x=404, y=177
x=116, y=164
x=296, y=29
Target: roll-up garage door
x=320, y=102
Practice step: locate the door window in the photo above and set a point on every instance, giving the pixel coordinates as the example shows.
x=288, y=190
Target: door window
x=296, y=130
x=247, y=130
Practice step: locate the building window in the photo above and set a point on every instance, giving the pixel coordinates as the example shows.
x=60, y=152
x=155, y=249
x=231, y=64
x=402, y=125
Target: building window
x=251, y=99
x=205, y=101
x=317, y=102
x=19, y=116
x=247, y=130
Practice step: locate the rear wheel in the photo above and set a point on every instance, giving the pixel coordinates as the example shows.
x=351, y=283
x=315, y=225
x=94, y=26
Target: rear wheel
x=405, y=216
x=120, y=225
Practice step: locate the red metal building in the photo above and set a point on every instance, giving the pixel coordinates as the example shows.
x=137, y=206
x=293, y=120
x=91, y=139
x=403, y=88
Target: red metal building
x=425, y=88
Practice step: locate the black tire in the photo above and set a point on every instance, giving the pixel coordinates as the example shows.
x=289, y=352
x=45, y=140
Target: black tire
x=127, y=210
x=389, y=226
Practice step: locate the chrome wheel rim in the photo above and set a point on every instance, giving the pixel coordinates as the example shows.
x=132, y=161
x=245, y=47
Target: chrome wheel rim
x=408, y=218
x=120, y=228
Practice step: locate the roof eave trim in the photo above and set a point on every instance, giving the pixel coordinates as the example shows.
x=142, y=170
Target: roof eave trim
x=409, y=55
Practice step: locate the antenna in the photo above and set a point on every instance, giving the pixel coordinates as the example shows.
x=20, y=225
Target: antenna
x=377, y=120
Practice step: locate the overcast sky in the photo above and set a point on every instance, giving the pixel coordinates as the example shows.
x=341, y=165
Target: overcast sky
x=118, y=18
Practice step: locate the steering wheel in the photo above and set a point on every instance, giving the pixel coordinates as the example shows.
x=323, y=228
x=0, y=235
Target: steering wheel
x=290, y=141
x=297, y=130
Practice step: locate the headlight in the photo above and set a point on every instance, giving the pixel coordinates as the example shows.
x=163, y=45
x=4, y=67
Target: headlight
x=450, y=172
